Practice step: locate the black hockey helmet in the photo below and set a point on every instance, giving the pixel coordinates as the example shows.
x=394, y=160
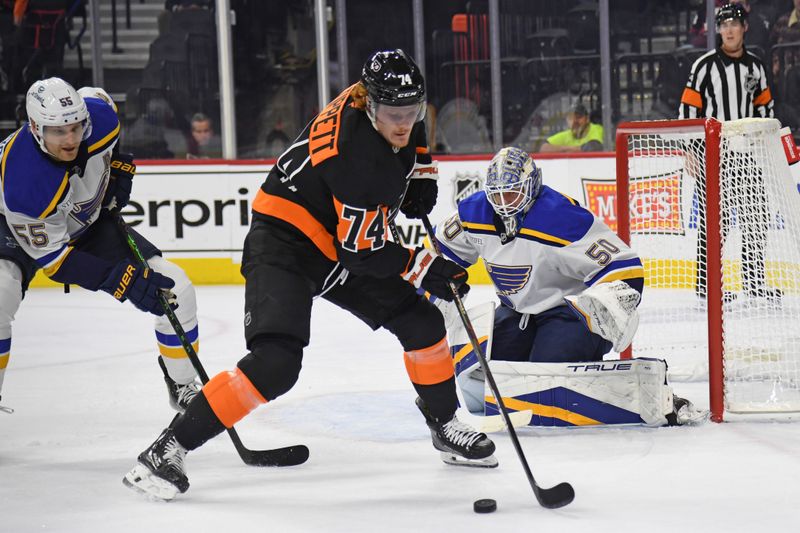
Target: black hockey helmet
x=392, y=78
x=731, y=11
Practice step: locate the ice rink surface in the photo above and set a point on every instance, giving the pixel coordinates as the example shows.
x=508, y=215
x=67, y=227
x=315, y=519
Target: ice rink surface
x=89, y=397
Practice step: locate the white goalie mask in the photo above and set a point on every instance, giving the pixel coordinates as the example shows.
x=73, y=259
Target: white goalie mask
x=512, y=182
x=54, y=102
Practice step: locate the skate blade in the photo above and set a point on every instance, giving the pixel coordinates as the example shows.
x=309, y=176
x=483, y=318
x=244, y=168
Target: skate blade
x=457, y=460
x=142, y=480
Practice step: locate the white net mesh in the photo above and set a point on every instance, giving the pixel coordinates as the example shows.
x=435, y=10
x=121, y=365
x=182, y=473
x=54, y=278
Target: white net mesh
x=760, y=236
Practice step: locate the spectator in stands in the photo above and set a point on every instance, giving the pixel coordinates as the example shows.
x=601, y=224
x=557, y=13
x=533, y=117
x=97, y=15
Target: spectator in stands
x=153, y=134
x=758, y=27
x=581, y=134
x=171, y=6
x=7, y=32
x=40, y=38
x=174, y=5
x=787, y=27
x=203, y=143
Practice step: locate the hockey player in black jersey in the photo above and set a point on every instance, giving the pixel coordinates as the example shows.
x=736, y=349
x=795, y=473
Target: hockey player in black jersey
x=320, y=228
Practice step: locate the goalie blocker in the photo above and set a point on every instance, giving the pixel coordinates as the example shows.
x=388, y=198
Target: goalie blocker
x=613, y=392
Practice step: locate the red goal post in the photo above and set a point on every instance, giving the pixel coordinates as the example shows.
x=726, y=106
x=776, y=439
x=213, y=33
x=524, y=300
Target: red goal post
x=710, y=300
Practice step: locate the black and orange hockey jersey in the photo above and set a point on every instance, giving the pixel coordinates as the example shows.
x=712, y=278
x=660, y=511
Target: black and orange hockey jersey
x=340, y=183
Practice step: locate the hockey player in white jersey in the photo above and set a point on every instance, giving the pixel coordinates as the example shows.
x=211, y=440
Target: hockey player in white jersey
x=61, y=174
x=569, y=289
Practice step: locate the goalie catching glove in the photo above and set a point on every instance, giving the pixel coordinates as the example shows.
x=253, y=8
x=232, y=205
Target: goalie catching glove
x=609, y=309
x=142, y=286
x=432, y=273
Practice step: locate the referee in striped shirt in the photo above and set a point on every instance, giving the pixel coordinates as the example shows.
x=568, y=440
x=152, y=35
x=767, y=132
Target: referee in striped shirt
x=730, y=83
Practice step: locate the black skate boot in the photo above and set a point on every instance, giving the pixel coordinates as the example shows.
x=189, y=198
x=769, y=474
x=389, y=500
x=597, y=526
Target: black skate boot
x=179, y=395
x=458, y=443
x=160, y=473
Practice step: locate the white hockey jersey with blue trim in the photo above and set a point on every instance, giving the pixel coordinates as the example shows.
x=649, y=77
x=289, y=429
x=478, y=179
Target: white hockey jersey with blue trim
x=48, y=204
x=560, y=250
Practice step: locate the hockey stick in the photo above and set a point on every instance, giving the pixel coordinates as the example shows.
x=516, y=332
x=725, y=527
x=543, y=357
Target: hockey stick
x=287, y=456
x=552, y=498
x=485, y=423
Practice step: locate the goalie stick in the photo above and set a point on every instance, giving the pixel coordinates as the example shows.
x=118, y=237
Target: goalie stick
x=552, y=498
x=287, y=456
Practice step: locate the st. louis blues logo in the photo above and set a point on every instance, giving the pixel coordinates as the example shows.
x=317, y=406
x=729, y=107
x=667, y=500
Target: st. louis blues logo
x=509, y=279
x=466, y=185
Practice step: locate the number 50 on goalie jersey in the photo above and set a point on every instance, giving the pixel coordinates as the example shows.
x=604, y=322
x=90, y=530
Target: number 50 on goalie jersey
x=559, y=250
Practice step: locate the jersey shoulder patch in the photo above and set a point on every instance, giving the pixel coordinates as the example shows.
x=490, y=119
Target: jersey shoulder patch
x=556, y=219
x=32, y=183
x=105, y=125
x=476, y=213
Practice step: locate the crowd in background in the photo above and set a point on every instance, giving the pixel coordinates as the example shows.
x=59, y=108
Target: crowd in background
x=549, y=56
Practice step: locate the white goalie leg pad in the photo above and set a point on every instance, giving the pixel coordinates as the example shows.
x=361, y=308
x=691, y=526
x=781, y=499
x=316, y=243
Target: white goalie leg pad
x=469, y=374
x=465, y=360
x=176, y=360
x=618, y=392
x=452, y=320
x=609, y=309
x=10, y=298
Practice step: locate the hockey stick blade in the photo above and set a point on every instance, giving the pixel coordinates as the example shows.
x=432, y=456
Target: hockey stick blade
x=554, y=497
x=288, y=456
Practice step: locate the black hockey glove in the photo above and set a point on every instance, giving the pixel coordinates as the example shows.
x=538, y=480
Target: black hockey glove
x=141, y=286
x=119, y=186
x=434, y=274
x=422, y=191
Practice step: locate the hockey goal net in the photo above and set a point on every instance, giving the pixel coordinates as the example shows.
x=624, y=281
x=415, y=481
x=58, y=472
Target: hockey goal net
x=725, y=307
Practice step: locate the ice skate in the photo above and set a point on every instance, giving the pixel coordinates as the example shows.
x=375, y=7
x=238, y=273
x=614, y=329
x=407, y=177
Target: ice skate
x=684, y=413
x=458, y=443
x=179, y=394
x=160, y=473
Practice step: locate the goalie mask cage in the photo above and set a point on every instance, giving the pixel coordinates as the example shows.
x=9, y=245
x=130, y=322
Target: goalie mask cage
x=727, y=308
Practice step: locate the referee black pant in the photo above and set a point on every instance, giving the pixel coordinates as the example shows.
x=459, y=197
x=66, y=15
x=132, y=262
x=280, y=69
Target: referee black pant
x=744, y=201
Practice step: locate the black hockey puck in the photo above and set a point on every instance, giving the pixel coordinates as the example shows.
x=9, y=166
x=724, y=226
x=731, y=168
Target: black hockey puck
x=485, y=506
